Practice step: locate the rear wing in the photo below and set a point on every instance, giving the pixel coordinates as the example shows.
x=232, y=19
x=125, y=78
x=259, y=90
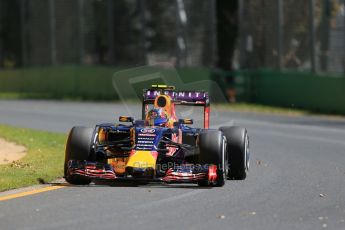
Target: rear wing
x=182, y=97
x=179, y=97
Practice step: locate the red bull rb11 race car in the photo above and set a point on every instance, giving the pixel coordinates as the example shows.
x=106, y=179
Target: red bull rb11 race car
x=159, y=147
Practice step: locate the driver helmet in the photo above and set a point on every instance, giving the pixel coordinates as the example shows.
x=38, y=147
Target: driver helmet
x=157, y=117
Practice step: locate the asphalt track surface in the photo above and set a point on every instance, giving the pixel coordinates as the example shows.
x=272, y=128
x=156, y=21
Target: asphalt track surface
x=296, y=179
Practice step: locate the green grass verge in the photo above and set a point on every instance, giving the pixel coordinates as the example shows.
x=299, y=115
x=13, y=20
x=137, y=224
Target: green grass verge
x=10, y=96
x=256, y=108
x=267, y=109
x=43, y=162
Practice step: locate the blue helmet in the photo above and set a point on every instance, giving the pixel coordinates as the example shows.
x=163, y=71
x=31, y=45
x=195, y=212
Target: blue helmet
x=156, y=117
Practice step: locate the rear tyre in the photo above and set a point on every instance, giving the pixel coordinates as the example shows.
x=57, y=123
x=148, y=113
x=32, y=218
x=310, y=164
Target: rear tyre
x=237, y=151
x=78, y=147
x=212, y=152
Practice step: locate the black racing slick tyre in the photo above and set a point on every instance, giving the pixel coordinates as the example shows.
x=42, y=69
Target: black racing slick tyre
x=212, y=152
x=78, y=147
x=238, y=151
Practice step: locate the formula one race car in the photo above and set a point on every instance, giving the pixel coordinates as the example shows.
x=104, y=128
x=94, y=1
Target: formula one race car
x=160, y=147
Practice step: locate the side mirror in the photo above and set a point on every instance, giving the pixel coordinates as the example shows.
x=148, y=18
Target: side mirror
x=186, y=121
x=126, y=119
x=139, y=123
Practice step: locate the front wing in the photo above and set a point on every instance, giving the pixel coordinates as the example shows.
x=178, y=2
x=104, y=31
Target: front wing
x=178, y=174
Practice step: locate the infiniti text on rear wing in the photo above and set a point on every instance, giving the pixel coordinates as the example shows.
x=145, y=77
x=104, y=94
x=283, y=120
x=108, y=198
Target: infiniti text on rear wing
x=196, y=98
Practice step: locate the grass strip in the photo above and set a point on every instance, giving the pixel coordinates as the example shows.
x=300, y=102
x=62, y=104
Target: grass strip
x=257, y=108
x=43, y=162
x=275, y=110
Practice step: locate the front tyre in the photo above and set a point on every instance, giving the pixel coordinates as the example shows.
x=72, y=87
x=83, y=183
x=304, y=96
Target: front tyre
x=212, y=152
x=78, y=147
x=238, y=151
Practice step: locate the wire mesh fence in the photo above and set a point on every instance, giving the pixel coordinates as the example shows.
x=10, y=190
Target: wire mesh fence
x=121, y=32
x=292, y=34
x=279, y=34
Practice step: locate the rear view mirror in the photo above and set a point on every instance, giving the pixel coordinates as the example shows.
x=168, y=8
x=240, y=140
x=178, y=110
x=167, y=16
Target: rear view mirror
x=126, y=119
x=140, y=123
x=186, y=121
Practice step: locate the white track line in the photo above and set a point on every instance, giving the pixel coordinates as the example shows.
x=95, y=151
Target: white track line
x=298, y=136
x=290, y=126
x=264, y=131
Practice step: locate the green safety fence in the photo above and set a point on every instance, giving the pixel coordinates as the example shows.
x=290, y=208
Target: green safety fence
x=84, y=82
x=320, y=93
